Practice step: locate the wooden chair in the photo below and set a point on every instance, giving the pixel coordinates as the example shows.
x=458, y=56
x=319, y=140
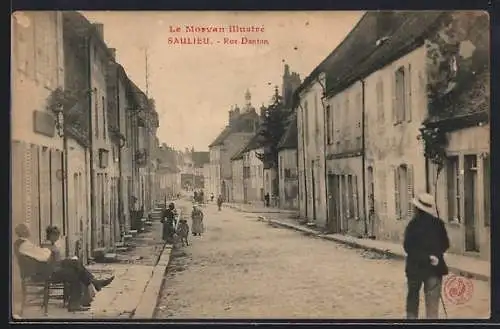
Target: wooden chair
x=42, y=284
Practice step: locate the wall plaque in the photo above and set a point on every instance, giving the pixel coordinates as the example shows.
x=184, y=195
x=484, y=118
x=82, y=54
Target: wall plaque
x=44, y=123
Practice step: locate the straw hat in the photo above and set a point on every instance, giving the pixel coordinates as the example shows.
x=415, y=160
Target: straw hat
x=426, y=203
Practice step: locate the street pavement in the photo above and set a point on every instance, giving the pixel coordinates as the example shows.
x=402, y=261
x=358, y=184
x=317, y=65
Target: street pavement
x=242, y=267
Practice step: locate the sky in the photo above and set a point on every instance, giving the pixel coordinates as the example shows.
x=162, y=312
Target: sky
x=194, y=86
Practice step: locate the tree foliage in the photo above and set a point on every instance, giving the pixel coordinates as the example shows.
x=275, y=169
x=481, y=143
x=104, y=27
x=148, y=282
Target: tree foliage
x=271, y=130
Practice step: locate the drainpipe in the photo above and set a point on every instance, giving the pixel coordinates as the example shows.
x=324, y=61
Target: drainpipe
x=325, y=144
x=304, y=156
x=120, y=185
x=65, y=188
x=91, y=145
x=363, y=153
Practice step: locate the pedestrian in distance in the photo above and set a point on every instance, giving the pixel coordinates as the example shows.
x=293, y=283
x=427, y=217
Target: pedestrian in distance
x=219, y=202
x=197, y=221
x=425, y=242
x=169, y=222
x=266, y=200
x=212, y=197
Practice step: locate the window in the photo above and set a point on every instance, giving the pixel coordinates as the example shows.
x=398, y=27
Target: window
x=104, y=114
x=328, y=124
x=380, y=101
x=359, y=113
x=246, y=172
x=399, y=96
x=486, y=186
x=316, y=116
x=403, y=191
x=453, y=183
x=347, y=127
x=96, y=117
x=281, y=165
x=306, y=122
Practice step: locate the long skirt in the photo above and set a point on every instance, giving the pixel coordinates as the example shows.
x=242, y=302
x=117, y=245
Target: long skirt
x=197, y=225
x=168, y=231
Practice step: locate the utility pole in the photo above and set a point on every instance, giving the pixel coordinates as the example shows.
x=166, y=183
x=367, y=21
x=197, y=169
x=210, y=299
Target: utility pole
x=147, y=76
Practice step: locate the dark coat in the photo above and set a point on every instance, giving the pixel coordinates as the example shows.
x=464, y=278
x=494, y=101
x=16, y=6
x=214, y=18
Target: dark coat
x=425, y=235
x=168, y=221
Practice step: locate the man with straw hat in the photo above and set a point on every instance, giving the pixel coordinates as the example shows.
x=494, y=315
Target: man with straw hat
x=425, y=242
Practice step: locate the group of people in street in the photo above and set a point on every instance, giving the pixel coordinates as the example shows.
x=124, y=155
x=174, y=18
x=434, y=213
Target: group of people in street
x=170, y=220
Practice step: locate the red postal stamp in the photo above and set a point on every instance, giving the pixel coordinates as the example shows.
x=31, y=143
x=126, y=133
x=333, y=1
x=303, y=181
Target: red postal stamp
x=458, y=289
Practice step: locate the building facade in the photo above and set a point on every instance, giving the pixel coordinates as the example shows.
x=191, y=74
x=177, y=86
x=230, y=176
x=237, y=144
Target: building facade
x=237, y=175
x=37, y=148
x=288, y=167
x=242, y=126
x=311, y=149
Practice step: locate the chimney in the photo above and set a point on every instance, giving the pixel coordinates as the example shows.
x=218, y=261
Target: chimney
x=231, y=117
x=100, y=29
x=113, y=53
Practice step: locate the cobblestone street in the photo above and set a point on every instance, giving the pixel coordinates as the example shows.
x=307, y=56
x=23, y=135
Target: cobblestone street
x=244, y=268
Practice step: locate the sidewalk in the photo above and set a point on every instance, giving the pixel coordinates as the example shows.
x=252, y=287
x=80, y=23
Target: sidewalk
x=461, y=265
x=133, y=292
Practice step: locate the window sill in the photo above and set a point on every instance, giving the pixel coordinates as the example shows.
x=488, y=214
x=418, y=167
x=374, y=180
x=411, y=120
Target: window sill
x=455, y=223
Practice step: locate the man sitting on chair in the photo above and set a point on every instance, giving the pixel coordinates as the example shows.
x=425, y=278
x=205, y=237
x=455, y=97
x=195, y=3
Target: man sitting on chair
x=47, y=262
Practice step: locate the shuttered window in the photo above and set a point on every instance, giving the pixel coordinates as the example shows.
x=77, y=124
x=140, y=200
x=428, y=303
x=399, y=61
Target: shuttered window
x=27, y=185
x=380, y=101
x=45, y=183
x=397, y=206
x=96, y=116
x=453, y=183
x=403, y=191
x=347, y=123
x=329, y=124
x=17, y=159
x=35, y=196
x=355, y=196
x=408, y=90
x=399, y=96
x=486, y=189
x=410, y=189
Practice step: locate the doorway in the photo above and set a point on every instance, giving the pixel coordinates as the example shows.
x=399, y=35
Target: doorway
x=333, y=204
x=371, y=200
x=470, y=183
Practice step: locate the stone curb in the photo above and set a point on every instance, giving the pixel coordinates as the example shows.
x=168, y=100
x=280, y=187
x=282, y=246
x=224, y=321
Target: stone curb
x=452, y=269
x=276, y=211
x=147, y=303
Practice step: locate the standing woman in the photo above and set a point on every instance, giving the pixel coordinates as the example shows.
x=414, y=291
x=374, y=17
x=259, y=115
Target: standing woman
x=168, y=220
x=197, y=221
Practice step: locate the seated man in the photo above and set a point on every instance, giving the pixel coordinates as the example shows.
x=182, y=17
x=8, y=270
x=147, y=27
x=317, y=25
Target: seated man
x=48, y=263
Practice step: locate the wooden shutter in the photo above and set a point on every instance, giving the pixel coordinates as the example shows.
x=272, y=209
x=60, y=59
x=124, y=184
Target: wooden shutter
x=27, y=185
x=408, y=93
x=17, y=189
x=38, y=230
x=394, y=103
x=411, y=189
x=397, y=206
x=355, y=196
x=45, y=185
